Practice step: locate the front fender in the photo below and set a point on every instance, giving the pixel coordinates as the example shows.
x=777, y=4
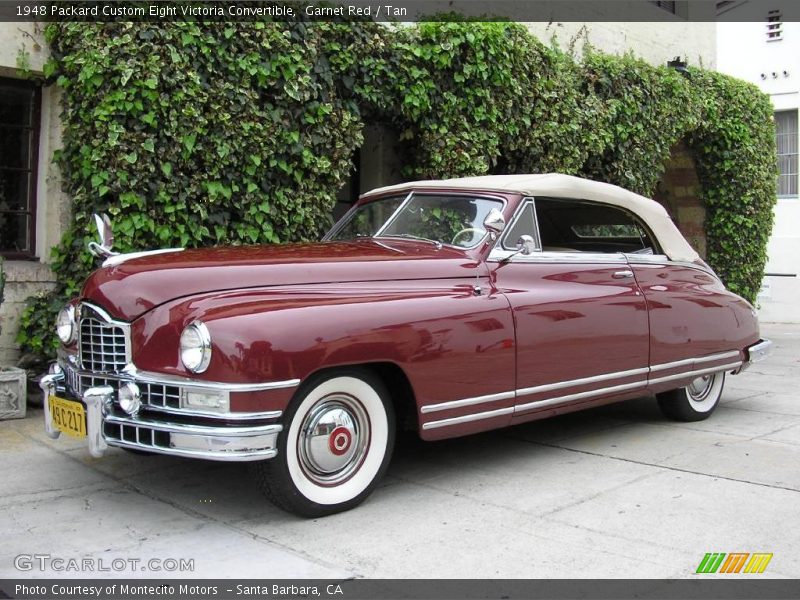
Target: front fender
x=450, y=343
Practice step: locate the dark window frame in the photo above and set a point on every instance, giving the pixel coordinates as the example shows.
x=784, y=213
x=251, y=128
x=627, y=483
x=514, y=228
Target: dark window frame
x=33, y=170
x=508, y=244
x=786, y=142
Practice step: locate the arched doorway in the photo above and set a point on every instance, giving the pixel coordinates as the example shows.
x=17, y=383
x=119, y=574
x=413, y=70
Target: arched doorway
x=679, y=191
x=378, y=162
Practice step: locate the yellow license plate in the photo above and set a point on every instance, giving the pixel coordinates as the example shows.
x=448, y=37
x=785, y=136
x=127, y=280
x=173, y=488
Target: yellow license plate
x=68, y=416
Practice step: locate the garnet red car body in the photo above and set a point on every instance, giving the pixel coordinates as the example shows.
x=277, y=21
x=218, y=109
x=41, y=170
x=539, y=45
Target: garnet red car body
x=316, y=352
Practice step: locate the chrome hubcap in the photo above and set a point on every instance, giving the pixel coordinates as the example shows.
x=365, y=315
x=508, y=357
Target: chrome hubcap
x=700, y=388
x=333, y=439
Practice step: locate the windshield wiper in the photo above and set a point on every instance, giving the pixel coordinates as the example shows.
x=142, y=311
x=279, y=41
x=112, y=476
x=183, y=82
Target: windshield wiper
x=408, y=236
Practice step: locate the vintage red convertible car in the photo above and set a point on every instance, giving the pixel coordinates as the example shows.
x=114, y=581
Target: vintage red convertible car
x=449, y=307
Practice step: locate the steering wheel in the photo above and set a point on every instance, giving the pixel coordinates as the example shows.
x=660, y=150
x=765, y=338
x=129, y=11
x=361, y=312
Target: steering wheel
x=472, y=230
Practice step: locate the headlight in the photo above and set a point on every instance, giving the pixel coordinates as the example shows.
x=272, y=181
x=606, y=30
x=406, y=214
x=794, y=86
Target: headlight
x=196, y=347
x=65, y=325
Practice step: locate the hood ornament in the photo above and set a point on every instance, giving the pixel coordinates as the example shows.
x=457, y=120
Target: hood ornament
x=103, y=249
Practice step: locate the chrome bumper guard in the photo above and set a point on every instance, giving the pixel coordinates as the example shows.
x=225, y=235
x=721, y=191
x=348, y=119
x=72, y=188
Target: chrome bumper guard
x=105, y=428
x=756, y=353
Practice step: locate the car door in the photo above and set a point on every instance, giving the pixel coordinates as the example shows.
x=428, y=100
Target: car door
x=580, y=318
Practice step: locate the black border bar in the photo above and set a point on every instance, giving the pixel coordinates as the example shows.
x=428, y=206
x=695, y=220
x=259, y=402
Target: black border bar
x=733, y=587
x=398, y=10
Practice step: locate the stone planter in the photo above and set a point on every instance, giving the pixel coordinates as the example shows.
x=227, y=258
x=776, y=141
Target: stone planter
x=12, y=393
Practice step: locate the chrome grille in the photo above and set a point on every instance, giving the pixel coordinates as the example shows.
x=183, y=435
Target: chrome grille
x=78, y=383
x=135, y=434
x=102, y=344
x=156, y=395
x=159, y=395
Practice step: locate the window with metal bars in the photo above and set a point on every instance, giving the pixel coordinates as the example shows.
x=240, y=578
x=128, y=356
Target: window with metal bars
x=786, y=140
x=19, y=149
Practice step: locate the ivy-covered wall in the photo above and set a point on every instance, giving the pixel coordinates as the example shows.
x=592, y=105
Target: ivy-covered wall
x=192, y=134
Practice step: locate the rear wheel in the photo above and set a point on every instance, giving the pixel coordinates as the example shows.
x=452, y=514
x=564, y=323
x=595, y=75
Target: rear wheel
x=336, y=444
x=694, y=402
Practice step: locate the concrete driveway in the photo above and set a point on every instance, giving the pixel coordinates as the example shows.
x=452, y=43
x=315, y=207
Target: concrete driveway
x=612, y=492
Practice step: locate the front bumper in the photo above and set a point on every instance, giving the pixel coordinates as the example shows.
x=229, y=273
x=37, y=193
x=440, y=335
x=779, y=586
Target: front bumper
x=163, y=433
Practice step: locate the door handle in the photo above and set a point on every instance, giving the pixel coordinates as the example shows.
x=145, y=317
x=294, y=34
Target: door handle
x=622, y=274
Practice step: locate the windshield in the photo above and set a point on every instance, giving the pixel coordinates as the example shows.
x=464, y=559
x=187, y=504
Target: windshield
x=446, y=219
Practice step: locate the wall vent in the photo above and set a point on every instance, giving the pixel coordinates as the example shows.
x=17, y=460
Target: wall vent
x=667, y=5
x=774, y=26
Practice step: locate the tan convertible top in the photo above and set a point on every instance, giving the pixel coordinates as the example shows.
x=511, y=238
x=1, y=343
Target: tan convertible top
x=555, y=185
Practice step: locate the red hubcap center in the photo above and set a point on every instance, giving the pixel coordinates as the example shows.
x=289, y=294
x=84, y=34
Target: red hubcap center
x=340, y=440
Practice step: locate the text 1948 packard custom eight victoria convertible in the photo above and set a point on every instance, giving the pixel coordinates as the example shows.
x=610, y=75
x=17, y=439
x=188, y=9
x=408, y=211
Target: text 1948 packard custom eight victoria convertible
x=451, y=307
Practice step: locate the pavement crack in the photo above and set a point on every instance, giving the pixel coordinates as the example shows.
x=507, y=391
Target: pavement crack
x=729, y=406
x=665, y=467
x=778, y=430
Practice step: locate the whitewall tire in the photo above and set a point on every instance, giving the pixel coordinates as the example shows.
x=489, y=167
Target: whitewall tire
x=337, y=440
x=694, y=402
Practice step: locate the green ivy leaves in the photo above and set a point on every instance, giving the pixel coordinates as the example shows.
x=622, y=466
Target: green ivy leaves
x=195, y=134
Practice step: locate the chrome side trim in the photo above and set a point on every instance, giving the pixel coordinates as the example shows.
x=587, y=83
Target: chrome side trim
x=690, y=361
x=663, y=259
x=612, y=258
x=429, y=408
x=647, y=259
x=188, y=382
x=226, y=416
x=576, y=382
x=579, y=396
x=468, y=418
x=697, y=373
x=521, y=408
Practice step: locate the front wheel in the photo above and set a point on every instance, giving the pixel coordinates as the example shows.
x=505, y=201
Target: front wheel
x=336, y=444
x=694, y=402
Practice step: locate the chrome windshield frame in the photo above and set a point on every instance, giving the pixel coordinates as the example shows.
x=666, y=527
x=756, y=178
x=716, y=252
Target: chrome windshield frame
x=478, y=194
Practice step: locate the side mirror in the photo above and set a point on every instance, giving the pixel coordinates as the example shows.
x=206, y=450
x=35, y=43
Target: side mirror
x=526, y=245
x=494, y=222
x=106, y=235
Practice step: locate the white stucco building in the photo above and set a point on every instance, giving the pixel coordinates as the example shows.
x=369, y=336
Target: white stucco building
x=765, y=50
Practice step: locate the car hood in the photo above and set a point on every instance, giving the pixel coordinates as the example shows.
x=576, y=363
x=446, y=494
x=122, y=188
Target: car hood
x=129, y=289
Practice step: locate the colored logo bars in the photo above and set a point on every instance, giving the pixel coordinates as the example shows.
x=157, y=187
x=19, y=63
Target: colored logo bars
x=716, y=562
